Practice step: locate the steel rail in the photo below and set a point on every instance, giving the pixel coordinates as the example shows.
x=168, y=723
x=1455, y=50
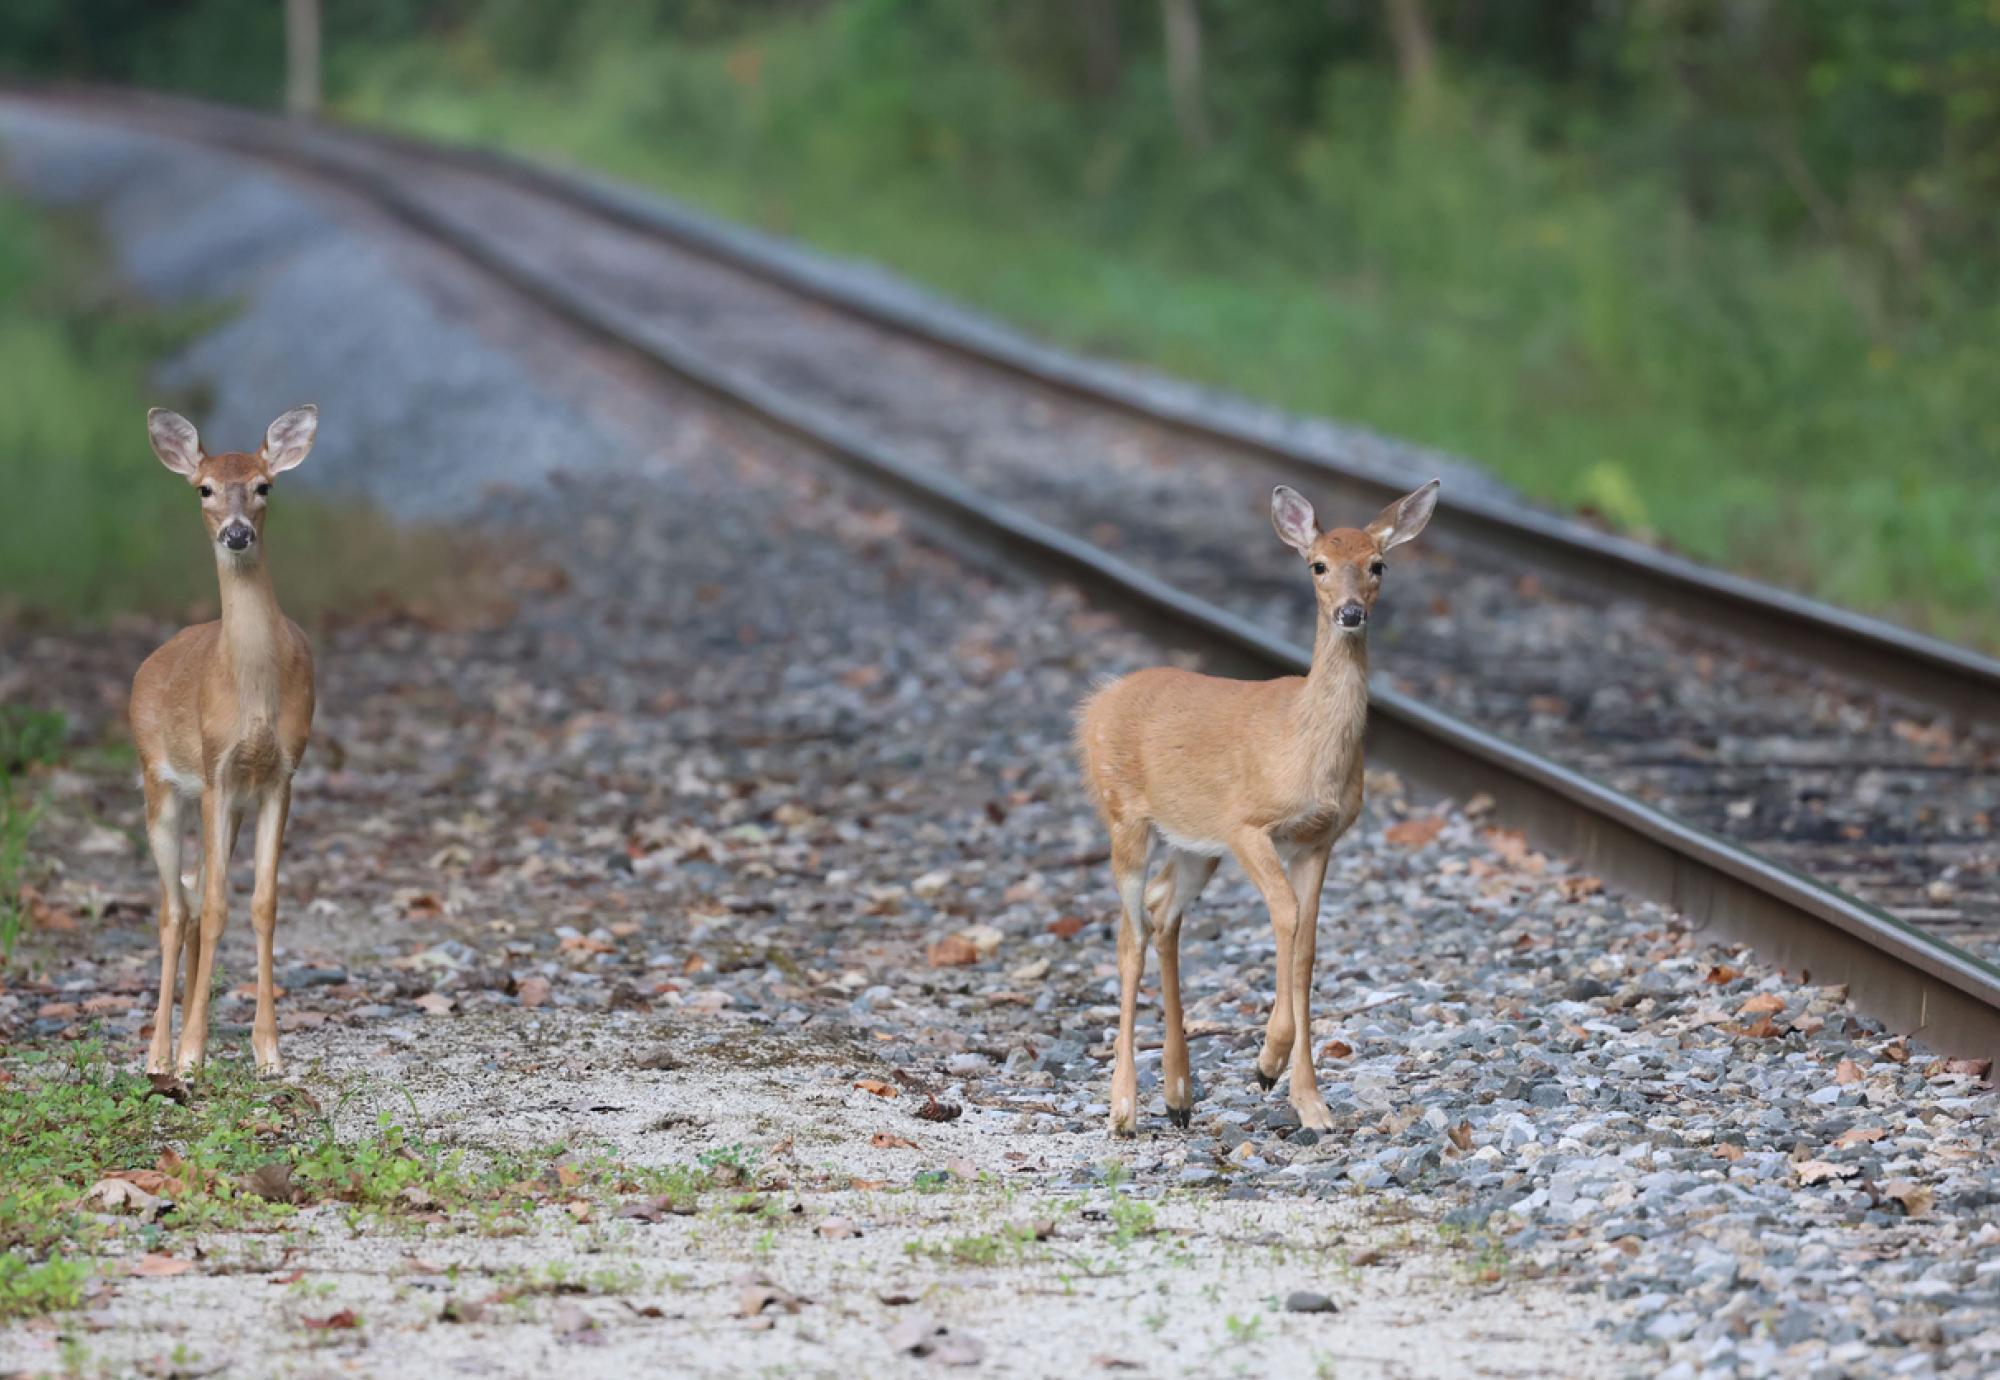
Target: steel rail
x=1911, y=982
x=1876, y=653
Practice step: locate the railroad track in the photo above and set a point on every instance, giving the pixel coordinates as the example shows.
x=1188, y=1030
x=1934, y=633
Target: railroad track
x=1622, y=680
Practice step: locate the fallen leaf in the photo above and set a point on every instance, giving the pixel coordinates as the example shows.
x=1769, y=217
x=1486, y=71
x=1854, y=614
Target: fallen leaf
x=1762, y=1003
x=1067, y=927
x=1335, y=1049
x=1859, y=1135
x=953, y=951
x=344, y=1318
x=271, y=1182
x=289, y=1277
x=1847, y=1071
x=876, y=1086
x=1913, y=1198
x=884, y=1141
x=1461, y=1135
x=167, y=1086
x=1722, y=974
x=122, y=1195
x=1763, y=1028
x=155, y=1265
x=1821, y=1171
x=1728, y=1150
x=1576, y=888
x=532, y=991
x=1971, y=1068
x=1414, y=833
x=838, y=1228
x=934, y=1110
x=435, y=1003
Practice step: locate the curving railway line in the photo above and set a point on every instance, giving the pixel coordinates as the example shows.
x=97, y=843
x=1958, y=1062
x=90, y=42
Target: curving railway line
x=1819, y=784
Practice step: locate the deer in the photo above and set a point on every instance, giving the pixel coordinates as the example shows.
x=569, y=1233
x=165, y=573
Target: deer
x=1269, y=772
x=220, y=715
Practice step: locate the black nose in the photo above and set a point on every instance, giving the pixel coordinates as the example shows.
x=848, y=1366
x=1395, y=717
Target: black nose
x=1352, y=615
x=237, y=536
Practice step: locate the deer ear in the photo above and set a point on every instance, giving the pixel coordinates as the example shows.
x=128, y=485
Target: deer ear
x=1404, y=518
x=174, y=441
x=1293, y=517
x=290, y=439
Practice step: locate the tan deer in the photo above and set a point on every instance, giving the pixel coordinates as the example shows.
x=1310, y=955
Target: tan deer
x=1269, y=771
x=220, y=715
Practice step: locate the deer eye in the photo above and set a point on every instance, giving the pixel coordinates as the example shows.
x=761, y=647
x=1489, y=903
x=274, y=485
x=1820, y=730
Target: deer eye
x=207, y=492
x=1375, y=569
x=1319, y=567
x=263, y=489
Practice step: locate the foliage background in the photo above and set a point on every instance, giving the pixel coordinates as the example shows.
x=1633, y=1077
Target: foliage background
x=1721, y=272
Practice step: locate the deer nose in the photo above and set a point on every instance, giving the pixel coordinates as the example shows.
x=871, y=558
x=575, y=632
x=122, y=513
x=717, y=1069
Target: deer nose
x=237, y=536
x=1351, y=615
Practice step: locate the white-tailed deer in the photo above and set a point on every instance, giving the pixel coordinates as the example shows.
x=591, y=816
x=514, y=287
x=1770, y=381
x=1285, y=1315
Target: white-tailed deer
x=1269, y=771
x=220, y=715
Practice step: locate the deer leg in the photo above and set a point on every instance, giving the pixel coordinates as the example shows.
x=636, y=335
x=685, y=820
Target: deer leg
x=191, y=962
x=1129, y=846
x=163, y=834
x=271, y=813
x=1266, y=870
x=218, y=816
x=1186, y=874
x=1308, y=874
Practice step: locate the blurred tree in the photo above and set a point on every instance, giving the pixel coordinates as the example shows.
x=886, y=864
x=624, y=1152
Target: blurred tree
x=1181, y=23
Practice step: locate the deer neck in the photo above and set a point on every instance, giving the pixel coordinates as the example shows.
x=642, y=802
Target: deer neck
x=1333, y=708
x=252, y=631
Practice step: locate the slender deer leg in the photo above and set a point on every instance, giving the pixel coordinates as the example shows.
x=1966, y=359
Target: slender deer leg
x=1266, y=870
x=163, y=833
x=264, y=920
x=1308, y=874
x=217, y=810
x=1129, y=846
x=1187, y=874
x=191, y=962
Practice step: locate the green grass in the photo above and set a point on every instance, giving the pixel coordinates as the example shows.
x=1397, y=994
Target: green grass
x=69, y=1117
x=94, y=525
x=28, y=738
x=1469, y=284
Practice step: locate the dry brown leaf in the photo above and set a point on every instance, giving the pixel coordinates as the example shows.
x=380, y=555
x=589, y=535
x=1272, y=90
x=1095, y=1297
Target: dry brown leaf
x=333, y=1321
x=532, y=991
x=1414, y=833
x=1914, y=1198
x=884, y=1141
x=1763, y=1028
x=1858, y=1135
x=876, y=1086
x=155, y=1265
x=1763, y=1003
x=435, y=1004
x=1067, y=927
x=953, y=951
x=1728, y=1150
x=1461, y=1135
x=1972, y=1068
x=1722, y=974
x=1335, y=1049
x=1822, y=1171
x=838, y=1229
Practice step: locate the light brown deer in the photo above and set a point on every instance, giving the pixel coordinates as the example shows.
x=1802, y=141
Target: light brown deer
x=1269, y=771
x=220, y=715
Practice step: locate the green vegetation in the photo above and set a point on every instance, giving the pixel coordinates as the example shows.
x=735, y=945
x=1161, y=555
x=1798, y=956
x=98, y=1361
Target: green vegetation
x=236, y=1152
x=28, y=738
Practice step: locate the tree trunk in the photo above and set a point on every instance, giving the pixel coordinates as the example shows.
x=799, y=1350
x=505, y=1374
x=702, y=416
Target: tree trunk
x=1416, y=53
x=302, y=93
x=1183, y=26
x=1103, y=59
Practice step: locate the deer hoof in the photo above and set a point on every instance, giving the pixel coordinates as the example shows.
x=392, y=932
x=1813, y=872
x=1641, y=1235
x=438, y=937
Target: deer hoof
x=1266, y=1081
x=1180, y=1116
